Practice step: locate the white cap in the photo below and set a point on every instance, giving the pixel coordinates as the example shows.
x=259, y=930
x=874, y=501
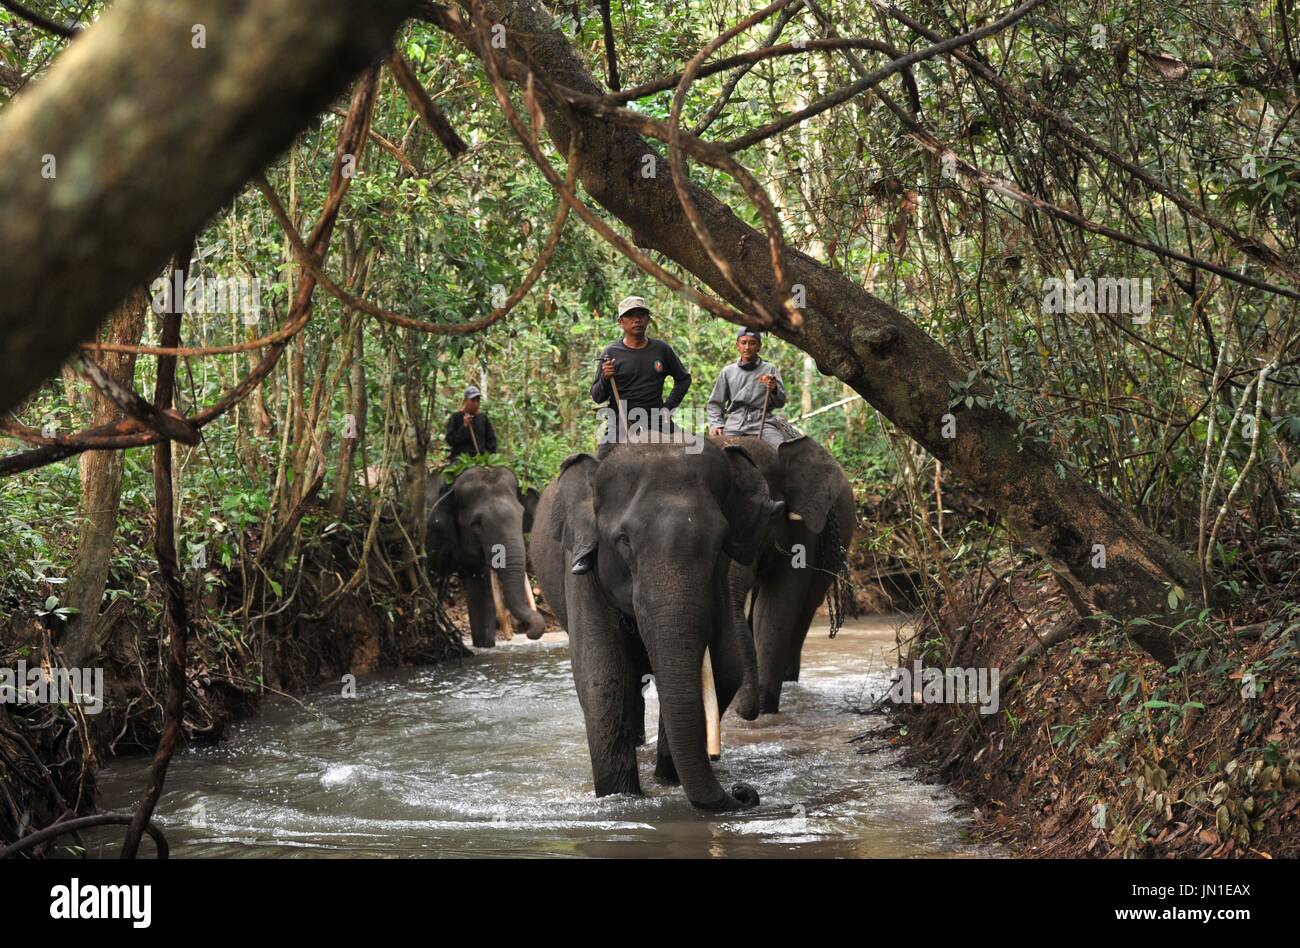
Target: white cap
x=630, y=303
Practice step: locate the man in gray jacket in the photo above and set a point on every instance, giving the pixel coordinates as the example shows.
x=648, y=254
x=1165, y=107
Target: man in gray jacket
x=736, y=405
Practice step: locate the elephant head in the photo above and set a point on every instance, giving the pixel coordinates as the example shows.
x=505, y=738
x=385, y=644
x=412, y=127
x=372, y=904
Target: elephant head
x=666, y=522
x=476, y=528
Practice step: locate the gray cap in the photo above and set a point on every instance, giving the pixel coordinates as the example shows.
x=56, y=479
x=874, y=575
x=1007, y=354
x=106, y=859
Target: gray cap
x=749, y=332
x=473, y=392
x=629, y=303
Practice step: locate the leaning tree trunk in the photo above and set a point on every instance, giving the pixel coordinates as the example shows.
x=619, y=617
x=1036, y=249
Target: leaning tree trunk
x=871, y=347
x=101, y=489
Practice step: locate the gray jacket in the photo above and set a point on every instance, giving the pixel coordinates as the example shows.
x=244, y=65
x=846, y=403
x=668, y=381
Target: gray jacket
x=736, y=403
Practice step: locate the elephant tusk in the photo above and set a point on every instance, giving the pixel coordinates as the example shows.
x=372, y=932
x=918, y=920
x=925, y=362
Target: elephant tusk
x=793, y=516
x=528, y=593
x=712, y=722
x=503, y=614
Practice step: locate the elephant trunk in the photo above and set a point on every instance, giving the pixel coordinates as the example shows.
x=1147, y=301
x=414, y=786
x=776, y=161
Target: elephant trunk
x=512, y=577
x=677, y=642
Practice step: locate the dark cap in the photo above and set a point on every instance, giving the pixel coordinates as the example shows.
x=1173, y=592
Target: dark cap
x=749, y=332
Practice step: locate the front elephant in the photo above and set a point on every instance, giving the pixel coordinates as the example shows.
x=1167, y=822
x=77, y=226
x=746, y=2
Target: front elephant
x=476, y=529
x=792, y=575
x=666, y=521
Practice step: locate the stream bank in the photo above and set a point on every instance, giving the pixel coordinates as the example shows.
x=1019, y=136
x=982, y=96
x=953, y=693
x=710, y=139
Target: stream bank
x=1098, y=751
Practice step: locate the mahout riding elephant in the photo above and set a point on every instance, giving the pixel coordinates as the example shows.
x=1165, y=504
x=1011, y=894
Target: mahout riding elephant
x=666, y=521
x=791, y=576
x=476, y=527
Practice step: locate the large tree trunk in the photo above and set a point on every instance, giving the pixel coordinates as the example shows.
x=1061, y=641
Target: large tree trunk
x=871, y=347
x=148, y=123
x=101, y=489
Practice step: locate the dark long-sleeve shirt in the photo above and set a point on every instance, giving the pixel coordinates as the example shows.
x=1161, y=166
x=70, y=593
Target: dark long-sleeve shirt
x=640, y=375
x=458, y=435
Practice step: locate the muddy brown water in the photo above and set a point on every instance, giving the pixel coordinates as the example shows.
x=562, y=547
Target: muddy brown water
x=488, y=757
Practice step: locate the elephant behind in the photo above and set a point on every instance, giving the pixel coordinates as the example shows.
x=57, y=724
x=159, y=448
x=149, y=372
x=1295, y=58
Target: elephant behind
x=476, y=526
x=792, y=576
x=666, y=524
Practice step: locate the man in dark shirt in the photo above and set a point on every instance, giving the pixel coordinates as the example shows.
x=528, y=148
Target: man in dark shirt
x=468, y=430
x=638, y=366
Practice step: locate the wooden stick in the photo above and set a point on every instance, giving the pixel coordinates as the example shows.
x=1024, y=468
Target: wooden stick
x=762, y=421
x=618, y=401
x=712, y=719
x=472, y=437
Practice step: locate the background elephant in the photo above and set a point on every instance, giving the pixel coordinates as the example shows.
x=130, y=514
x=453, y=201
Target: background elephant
x=665, y=523
x=477, y=525
x=792, y=575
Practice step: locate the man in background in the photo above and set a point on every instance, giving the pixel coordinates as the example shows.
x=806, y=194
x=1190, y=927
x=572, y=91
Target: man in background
x=468, y=430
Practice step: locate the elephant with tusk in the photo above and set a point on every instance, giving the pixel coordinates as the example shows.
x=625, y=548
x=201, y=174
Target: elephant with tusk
x=666, y=521
x=476, y=528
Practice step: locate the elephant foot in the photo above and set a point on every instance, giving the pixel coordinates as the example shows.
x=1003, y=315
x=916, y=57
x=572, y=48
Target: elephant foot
x=666, y=771
x=769, y=702
x=746, y=705
x=626, y=782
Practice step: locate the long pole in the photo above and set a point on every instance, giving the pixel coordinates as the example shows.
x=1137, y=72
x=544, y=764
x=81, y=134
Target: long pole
x=618, y=402
x=762, y=421
x=469, y=423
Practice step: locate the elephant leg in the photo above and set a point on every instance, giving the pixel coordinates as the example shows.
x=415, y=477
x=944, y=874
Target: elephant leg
x=482, y=610
x=608, y=687
x=640, y=664
x=727, y=655
x=740, y=583
x=817, y=590
x=780, y=619
x=665, y=769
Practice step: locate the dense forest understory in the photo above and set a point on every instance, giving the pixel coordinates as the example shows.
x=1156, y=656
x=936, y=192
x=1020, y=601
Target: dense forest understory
x=1030, y=273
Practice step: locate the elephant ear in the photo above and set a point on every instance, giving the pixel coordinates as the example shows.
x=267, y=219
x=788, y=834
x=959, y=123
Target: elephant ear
x=444, y=537
x=573, y=519
x=811, y=478
x=749, y=507
x=529, y=498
